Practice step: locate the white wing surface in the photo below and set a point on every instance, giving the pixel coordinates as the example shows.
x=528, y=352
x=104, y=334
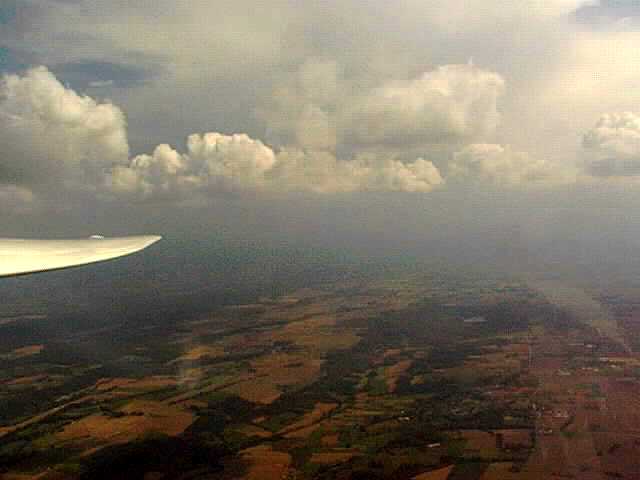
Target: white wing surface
x=21, y=256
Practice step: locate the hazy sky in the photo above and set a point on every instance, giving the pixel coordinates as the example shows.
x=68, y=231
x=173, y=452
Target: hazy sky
x=392, y=121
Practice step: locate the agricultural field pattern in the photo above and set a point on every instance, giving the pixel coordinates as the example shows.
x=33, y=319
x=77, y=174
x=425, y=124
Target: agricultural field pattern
x=412, y=376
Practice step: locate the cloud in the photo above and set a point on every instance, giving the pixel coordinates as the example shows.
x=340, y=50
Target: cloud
x=450, y=104
x=616, y=134
x=50, y=133
x=301, y=109
x=321, y=172
x=613, y=145
x=318, y=108
x=500, y=165
x=608, y=13
x=218, y=71
x=216, y=163
x=53, y=138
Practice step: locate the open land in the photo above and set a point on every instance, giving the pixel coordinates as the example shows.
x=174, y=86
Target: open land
x=411, y=377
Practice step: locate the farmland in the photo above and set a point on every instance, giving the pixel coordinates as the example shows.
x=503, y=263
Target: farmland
x=408, y=376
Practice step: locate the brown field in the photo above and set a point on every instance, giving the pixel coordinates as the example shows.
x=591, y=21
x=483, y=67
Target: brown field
x=142, y=417
x=516, y=438
x=478, y=442
x=23, y=352
x=393, y=373
x=305, y=426
x=618, y=454
x=392, y=352
x=440, y=474
x=9, y=320
x=46, y=414
x=254, y=431
x=265, y=463
x=502, y=471
x=258, y=390
x=318, y=333
x=331, y=440
x=623, y=399
x=288, y=369
x=27, y=380
x=150, y=383
x=491, y=362
x=21, y=476
x=199, y=352
x=192, y=393
x=331, y=458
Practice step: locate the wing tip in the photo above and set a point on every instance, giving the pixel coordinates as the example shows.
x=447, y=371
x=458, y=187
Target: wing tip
x=148, y=240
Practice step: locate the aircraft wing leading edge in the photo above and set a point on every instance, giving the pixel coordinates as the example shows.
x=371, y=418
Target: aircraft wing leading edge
x=22, y=256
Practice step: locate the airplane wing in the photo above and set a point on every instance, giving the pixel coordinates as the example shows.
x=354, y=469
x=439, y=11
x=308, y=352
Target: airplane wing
x=21, y=256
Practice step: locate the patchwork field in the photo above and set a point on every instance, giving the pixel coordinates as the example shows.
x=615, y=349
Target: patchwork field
x=421, y=377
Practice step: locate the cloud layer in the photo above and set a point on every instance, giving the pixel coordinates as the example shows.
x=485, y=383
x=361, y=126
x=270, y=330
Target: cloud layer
x=53, y=137
x=448, y=105
x=216, y=163
x=502, y=166
x=613, y=145
x=49, y=132
x=399, y=136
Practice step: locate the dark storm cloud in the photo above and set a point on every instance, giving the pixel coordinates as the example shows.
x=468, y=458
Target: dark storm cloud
x=88, y=73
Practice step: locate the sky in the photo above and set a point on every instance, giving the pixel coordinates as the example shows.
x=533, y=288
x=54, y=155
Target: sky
x=510, y=127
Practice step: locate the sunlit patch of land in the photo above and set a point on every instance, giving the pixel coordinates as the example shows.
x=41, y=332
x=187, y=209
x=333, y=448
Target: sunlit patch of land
x=23, y=352
x=133, y=420
x=393, y=373
x=265, y=464
x=305, y=426
x=331, y=458
x=439, y=474
x=199, y=352
x=144, y=384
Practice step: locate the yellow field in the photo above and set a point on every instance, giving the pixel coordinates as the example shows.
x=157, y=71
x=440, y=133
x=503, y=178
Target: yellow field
x=393, y=373
x=150, y=383
x=258, y=390
x=265, y=463
x=440, y=474
x=304, y=427
x=201, y=351
x=331, y=458
x=142, y=417
x=23, y=352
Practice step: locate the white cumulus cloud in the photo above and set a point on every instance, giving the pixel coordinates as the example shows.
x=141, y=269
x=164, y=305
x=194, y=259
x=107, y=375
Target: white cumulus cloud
x=55, y=139
x=212, y=162
x=501, y=165
x=451, y=104
x=215, y=162
x=613, y=145
x=48, y=131
x=322, y=172
x=301, y=109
